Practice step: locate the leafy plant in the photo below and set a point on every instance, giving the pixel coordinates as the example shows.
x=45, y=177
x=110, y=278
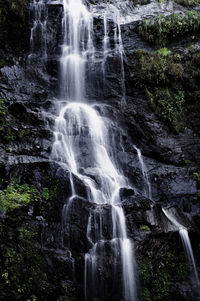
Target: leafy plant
x=157, y=277
x=187, y=3
x=162, y=28
x=168, y=104
x=144, y=228
x=164, y=51
x=16, y=195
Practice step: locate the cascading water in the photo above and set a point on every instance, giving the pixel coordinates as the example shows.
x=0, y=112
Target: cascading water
x=187, y=247
x=183, y=232
x=38, y=44
x=145, y=175
x=112, y=13
x=81, y=133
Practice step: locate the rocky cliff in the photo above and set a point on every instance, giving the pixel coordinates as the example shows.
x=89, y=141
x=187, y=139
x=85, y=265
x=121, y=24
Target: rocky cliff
x=160, y=117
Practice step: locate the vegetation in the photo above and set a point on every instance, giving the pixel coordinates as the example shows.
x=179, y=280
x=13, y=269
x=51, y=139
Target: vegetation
x=167, y=104
x=157, y=278
x=170, y=82
x=13, y=24
x=155, y=72
x=24, y=273
x=8, y=131
x=161, y=29
x=16, y=195
x=187, y=3
x=144, y=228
x=196, y=177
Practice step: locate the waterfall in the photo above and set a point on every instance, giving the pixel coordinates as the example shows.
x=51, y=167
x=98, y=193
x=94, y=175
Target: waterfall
x=81, y=145
x=183, y=232
x=38, y=43
x=113, y=14
x=145, y=175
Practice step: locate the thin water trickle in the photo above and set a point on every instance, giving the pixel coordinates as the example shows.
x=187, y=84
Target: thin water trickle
x=145, y=174
x=187, y=247
x=113, y=14
x=183, y=232
x=38, y=30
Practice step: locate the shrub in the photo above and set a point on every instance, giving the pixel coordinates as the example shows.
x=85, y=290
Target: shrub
x=167, y=104
x=144, y=228
x=187, y=3
x=16, y=195
x=162, y=28
x=156, y=68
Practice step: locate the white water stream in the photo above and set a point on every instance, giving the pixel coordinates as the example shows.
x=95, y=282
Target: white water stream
x=82, y=141
x=147, y=191
x=38, y=30
x=187, y=247
x=82, y=145
x=183, y=232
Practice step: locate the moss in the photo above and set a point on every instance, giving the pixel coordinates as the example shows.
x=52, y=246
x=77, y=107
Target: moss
x=170, y=82
x=196, y=178
x=188, y=162
x=187, y=3
x=10, y=128
x=162, y=29
x=22, y=275
x=16, y=195
x=157, y=68
x=66, y=294
x=157, y=279
x=167, y=104
x=164, y=51
x=144, y=228
x=24, y=272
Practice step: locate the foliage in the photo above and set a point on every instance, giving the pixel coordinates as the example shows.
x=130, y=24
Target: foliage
x=3, y=112
x=144, y=228
x=187, y=3
x=155, y=72
x=164, y=51
x=16, y=7
x=22, y=275
x=8, y=130
x=196, y=177
x=157, y=68
x=162, y=28
x=16, y=195
x=66, y=294
x=157, y=278
x=167, y=104
x=171, y=84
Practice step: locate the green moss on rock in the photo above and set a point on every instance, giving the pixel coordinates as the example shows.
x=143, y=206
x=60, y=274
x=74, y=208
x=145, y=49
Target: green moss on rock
x=157, y=279
x=16, y=195
x=161, y=29
x=187, y=3
x=170, y=82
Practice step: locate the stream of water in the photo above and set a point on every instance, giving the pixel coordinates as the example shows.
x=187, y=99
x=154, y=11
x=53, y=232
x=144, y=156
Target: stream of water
x=82, y=144
x=183, y=232
x=80, y=133
x=38, y=43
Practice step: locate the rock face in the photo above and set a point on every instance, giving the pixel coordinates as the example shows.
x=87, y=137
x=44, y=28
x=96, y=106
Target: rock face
x=28, y=91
